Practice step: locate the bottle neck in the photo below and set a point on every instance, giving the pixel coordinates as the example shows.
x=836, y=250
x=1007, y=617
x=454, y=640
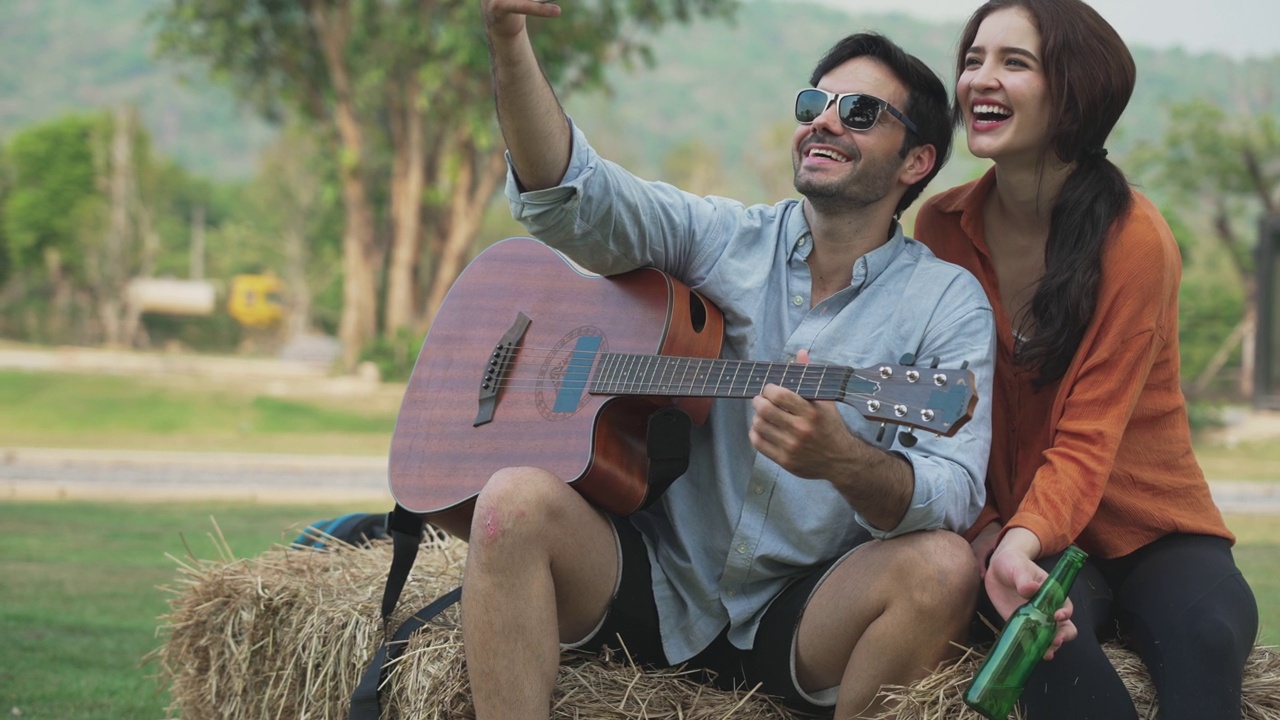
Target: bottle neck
x=1053, y=593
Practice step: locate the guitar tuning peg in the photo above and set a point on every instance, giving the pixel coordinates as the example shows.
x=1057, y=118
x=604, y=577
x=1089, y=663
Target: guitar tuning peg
x=907, y=359
x=964, y=365
x=934, y=363
x=907, y=439
x=880, y=432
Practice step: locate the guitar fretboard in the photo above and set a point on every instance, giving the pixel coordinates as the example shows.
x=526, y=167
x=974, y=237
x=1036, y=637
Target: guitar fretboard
x=659, y=375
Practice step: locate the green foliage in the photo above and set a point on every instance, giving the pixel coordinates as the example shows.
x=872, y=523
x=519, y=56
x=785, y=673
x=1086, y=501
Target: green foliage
x=395, y=355
x=1203, y=416
x=54, y=170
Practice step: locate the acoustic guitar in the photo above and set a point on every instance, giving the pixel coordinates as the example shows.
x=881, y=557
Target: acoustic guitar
x=533, y=361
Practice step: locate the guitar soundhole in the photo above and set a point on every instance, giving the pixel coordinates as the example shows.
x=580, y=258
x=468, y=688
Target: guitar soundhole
x=697, y=312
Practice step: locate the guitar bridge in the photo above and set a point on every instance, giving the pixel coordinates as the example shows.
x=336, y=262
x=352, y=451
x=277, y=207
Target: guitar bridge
x=496, y=369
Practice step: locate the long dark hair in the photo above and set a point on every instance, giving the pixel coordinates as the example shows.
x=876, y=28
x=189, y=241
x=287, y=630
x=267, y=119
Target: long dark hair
x=1089, y=75
x=926, y=98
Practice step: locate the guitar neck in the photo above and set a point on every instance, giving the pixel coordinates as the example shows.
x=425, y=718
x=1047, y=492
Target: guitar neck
x=660, y=375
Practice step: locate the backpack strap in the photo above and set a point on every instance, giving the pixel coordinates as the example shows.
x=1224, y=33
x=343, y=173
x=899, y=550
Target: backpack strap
x=406, y=530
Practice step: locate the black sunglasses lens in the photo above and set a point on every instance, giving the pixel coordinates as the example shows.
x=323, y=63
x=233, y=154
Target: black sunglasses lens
x=809, y=105
x=859, y=112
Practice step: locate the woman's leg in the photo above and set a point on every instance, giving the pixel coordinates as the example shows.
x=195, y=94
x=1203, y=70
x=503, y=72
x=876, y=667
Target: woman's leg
x=1080, y=683
x=1187, y=611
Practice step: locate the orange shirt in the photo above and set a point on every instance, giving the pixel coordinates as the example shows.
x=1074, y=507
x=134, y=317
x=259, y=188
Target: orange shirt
x=1103, y=457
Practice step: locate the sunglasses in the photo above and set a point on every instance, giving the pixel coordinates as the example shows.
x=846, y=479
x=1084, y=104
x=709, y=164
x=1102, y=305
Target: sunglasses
x=857, y=111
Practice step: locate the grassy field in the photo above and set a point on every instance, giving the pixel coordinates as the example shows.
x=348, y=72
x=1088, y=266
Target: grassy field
x=81, y=596
x=109, y=411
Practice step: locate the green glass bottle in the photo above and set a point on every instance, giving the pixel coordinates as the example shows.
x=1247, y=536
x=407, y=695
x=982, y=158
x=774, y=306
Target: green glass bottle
x=1024, y=641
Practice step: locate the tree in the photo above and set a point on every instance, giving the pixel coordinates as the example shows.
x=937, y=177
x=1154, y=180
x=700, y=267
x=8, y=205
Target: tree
x=402, y=89
x=1231, y=166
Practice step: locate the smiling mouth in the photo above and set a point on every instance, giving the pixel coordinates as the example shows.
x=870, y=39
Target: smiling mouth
x=826, y=154
x=991, y=113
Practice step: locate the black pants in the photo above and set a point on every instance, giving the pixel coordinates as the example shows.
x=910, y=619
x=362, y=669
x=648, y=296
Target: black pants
x=1182, y=605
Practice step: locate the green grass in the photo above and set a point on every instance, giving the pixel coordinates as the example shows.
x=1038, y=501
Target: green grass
x=1255, y=460
x=109, y=411
x=1257, y=552
x=81, y=597
x=80, y=601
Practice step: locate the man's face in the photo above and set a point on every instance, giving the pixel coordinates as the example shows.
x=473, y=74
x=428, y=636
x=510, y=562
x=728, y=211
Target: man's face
x=846, y=167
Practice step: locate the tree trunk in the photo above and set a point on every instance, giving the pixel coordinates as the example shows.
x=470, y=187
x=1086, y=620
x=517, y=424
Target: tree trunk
x=478, y=176
x=358, y=321
x=295, y=276
x=134, y=334
x=114, y=262
x=408, y=176
x=195, y=266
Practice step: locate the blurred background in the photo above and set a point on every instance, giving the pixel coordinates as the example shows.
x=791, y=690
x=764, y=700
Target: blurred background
x=226, y=225
x=303, y=181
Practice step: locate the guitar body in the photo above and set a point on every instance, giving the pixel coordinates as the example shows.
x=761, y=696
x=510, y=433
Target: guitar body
x=449, y=439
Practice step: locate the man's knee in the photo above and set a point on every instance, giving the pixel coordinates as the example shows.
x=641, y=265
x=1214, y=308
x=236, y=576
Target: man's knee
x=515, y=504
x=941, y=570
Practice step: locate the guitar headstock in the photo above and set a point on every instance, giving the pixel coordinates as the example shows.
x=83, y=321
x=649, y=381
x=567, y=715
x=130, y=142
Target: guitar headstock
x=934, y=399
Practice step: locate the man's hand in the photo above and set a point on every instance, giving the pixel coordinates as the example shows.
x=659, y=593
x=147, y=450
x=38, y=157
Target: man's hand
x=811, y=440
x=1012, y=579
x=505, y=19
x=807, y=438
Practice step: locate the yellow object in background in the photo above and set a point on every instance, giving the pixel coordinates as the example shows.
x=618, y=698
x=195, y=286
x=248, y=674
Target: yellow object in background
x=253, y=302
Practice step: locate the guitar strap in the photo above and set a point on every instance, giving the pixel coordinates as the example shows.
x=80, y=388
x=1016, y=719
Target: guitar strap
x=668, y=450
x=406, y=529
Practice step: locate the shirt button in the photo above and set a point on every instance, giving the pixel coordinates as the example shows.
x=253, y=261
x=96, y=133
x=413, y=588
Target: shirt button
x=757, y=489
x=797, y=300
x=732, y=593
x=803, y=240
x=742, y=548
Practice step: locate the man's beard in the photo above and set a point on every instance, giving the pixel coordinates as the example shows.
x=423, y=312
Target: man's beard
x=863, y=188
x=868, y=185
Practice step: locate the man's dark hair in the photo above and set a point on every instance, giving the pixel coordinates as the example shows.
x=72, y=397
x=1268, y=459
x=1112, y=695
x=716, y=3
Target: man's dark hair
x=927, y=103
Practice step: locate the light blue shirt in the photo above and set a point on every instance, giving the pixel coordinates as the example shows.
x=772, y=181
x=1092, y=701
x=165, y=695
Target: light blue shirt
x=728, y=535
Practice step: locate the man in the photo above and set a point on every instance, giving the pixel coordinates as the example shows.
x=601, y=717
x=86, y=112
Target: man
x=759, y=564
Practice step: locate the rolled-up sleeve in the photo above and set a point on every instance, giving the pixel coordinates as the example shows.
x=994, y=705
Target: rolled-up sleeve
x=950, y=471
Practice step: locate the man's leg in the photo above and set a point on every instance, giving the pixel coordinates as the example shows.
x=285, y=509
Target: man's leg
x=541, y=568
x=886, y=614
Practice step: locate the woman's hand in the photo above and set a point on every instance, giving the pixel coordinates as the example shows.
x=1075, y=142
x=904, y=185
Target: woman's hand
x=1013, y=578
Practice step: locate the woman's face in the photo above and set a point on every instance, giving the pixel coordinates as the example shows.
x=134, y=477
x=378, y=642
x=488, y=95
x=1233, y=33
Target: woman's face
x=1002, y=91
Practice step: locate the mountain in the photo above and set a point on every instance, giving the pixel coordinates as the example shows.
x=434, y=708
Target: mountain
x=717, y=91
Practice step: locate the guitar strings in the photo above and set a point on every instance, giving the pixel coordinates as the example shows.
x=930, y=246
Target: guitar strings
x=528, y=373
x=632, y=371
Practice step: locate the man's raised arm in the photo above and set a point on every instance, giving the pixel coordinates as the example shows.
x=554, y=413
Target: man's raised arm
x=533, y=123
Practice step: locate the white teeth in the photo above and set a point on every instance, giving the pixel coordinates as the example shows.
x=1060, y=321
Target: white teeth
x=990, y=110
x=830, y=154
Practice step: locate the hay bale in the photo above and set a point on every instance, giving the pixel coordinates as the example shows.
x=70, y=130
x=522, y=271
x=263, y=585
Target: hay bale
x=941, y=695
x=287, y=635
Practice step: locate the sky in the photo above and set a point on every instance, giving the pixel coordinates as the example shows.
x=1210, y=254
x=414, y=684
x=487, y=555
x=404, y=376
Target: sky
x=1237, y=28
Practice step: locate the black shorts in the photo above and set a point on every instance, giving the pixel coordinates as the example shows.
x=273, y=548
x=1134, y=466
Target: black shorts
x=633, y=619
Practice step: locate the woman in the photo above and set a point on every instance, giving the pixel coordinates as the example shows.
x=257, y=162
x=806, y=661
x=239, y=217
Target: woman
x=1091, y=443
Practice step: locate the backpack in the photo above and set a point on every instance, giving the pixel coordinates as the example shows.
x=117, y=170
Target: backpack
x=353, y=528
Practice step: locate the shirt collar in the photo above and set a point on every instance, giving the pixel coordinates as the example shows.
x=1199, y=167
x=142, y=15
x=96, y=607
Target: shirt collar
x=866, y=269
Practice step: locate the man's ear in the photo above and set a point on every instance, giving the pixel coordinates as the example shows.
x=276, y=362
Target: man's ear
x=917, y=164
